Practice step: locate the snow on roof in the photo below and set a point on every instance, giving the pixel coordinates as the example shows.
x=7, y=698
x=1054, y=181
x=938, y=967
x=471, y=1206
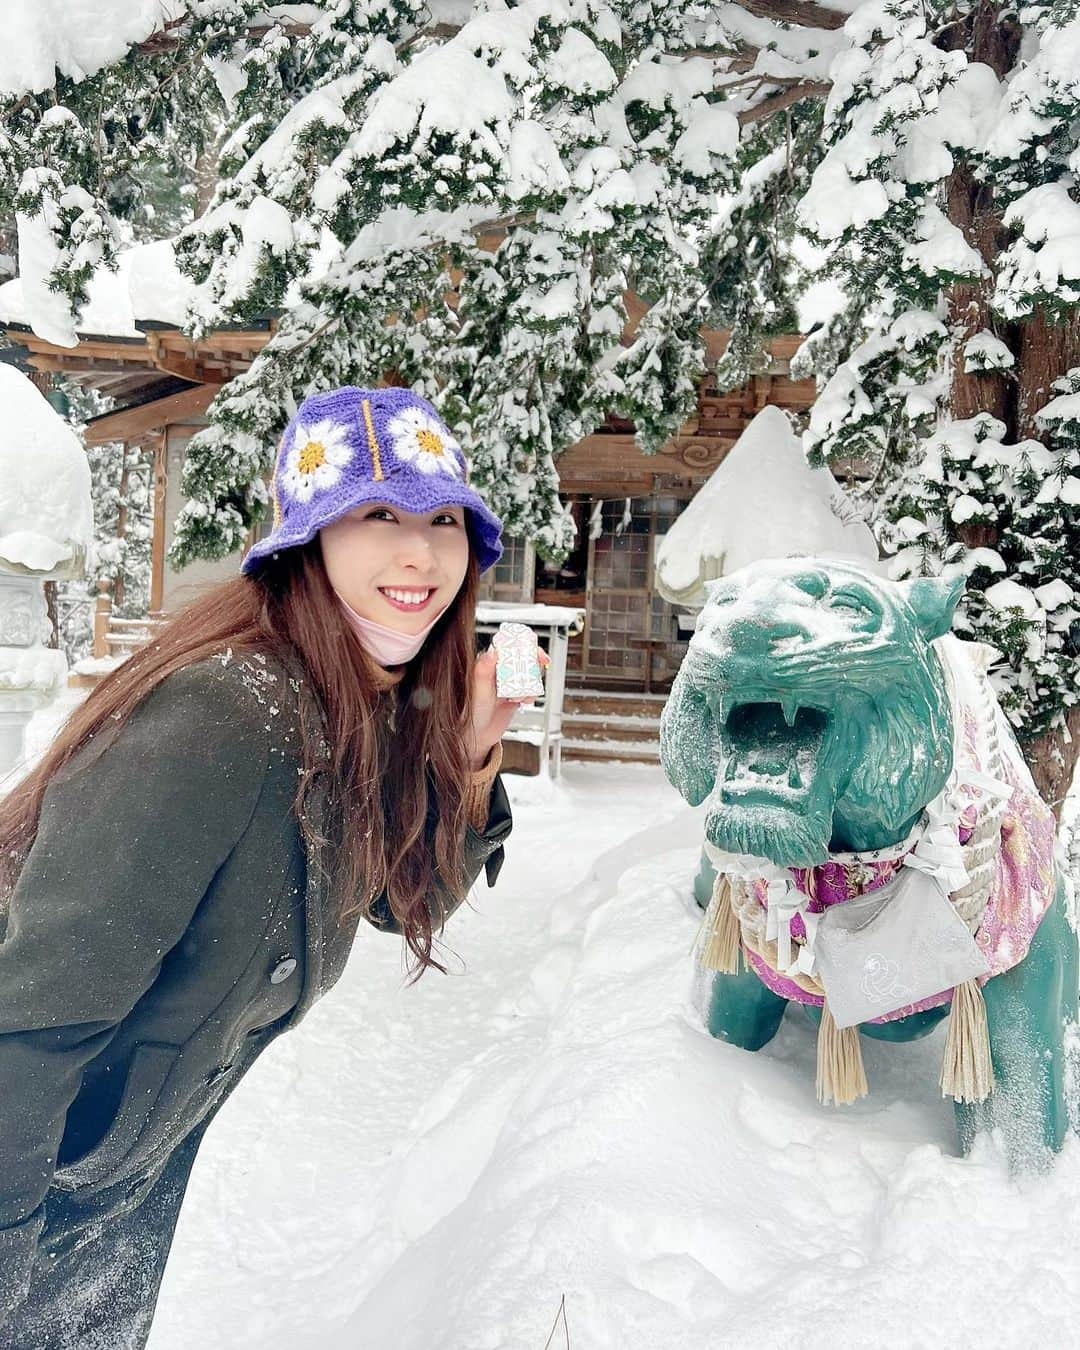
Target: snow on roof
x=147, y=286
x=46, y=517
x=764, y=501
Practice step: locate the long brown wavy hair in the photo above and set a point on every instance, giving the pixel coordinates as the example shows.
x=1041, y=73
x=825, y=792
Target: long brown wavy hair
x=385, y=762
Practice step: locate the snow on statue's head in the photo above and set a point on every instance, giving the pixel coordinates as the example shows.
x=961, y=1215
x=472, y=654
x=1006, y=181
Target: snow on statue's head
x=811, y=702
x=46, y=517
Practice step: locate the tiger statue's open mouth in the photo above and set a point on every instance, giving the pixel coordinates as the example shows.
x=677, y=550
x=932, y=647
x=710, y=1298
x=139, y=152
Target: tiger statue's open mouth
x=776, y=778
x=771, y=751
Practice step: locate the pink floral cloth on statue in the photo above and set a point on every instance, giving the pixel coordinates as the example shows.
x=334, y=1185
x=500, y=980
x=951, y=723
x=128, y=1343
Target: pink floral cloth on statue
x=1024, y=882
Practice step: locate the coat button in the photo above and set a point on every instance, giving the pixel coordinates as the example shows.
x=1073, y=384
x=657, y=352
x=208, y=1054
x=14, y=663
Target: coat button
x=282, y=970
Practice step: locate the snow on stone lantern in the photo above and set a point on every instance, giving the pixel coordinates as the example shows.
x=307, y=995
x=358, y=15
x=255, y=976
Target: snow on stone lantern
x=764, y=501
x=46, y=526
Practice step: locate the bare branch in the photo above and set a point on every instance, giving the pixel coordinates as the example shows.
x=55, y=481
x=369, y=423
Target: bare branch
x=803, y=13
x=740, y=57
x=502, y=223
x=760, y=78
x=561, y=1313
x=167, y=39
x=797, y=92
x=288, y=29
x=19, y=105
x=437, y=30
x=164, y=40
x=443, y=30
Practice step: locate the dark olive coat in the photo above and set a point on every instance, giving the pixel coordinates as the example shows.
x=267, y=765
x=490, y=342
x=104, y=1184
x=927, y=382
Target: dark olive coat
x=167, y=925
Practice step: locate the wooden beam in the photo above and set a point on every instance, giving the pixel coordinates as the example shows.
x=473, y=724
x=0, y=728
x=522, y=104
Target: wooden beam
x=246, y=344
x=184, y=364
x=131, y=424
x=613, y=463
x=43, y=362
x=166, y=345
x=125, y=387
x=119, y=350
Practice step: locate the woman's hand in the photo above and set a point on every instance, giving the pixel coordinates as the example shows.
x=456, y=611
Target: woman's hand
x=491, y=714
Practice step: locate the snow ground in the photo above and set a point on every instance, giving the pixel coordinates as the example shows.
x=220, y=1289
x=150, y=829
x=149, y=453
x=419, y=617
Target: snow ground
x=435, y=1168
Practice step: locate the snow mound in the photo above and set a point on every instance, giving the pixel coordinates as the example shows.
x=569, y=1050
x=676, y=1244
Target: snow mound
x=677, y=1190
x=1011, y=595
x=46, y=517
x=764, y=501
x=35, y=670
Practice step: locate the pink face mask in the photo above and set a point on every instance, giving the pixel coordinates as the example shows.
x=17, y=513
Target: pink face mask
x=384, y=645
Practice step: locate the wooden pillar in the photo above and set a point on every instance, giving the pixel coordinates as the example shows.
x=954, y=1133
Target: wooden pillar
x=121, y=522
x=102, y=611
x=157, y=551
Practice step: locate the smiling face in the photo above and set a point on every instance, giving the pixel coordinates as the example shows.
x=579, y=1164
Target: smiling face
x=395, y=567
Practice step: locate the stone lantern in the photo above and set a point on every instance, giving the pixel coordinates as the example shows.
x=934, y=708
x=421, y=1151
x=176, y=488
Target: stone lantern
x=46, y=527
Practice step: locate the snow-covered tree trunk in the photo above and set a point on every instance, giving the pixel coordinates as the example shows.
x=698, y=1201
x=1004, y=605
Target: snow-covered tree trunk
x=947, y=195
x=1044, y=350
x=971, y=206
x=206, y=176
x=1047, y=351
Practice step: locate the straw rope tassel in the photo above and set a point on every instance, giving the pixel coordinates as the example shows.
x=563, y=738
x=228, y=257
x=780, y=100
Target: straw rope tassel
x=967, y=1071
x=720, y=951
x=841, y=1078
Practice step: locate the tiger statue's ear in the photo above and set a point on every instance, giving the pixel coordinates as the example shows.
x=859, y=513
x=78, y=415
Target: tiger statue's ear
x=932, y=600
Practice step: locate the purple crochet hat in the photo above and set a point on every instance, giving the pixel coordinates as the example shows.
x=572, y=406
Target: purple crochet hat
x=349, y=446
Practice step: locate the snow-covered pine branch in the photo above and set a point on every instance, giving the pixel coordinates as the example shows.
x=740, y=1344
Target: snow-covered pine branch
x=592, y=144
x=540, y=160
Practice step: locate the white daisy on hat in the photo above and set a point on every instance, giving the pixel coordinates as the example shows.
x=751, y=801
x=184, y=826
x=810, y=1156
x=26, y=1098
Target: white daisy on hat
x=424, y=442
x=315, y=457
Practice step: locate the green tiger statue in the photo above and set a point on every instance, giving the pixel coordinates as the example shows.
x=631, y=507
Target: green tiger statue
x=875, y=848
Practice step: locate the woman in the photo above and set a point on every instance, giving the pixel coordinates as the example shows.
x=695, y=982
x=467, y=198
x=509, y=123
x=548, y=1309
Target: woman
x=185, y=870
